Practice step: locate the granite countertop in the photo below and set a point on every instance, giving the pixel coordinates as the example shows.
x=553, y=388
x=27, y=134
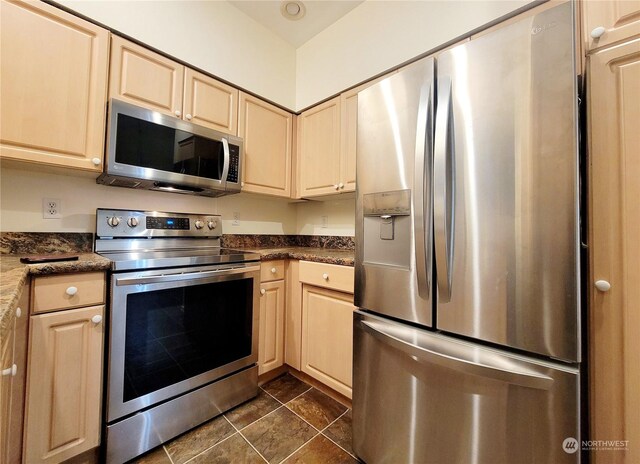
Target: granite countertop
x=318, y=255
x=13, y=275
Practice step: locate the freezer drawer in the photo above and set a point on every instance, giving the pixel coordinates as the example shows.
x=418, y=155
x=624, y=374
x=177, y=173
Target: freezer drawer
x=420, y=397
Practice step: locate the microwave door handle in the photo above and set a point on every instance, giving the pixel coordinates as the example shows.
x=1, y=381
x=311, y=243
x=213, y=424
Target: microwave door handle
x=444, y=189
x=225, y=167
x=422, y=189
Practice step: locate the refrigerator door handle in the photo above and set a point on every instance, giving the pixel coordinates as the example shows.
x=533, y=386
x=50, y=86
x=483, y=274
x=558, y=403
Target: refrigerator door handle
x=444, y=189
x=422, y=189
x=446, y=357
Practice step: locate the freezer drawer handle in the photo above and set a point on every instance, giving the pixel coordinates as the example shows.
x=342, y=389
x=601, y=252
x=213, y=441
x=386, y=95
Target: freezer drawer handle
x=523, y=378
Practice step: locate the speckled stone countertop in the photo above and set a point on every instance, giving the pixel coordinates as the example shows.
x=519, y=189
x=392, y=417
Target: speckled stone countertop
x=13, y=275
x=318, y=255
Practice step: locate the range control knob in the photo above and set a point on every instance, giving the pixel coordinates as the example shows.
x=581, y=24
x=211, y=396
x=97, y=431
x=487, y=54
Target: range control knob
x=199, y=224
x=113, y=221
x=132, y=222
x=212, y=225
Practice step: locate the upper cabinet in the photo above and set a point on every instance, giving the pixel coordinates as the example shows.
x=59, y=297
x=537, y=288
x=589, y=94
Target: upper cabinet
x=53, y=87
x=210, y=103
x=319, y=149
x=349, y=117
x=607, y=22
x=268, y=134
x=145, y=78
x=148, y=79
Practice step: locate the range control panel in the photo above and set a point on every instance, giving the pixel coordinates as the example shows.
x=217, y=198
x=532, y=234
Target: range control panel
x=118, y=223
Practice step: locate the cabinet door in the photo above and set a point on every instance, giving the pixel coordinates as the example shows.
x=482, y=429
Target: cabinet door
x=348, y=134
x=210, y=103
x=319, y=149
x=614, y=141
x=327, y=337
x=267, y=133
x=6, y=380
x=619, y=18
x=64, y=385
x=53, y=86
x=271, y=347
x=145, y=78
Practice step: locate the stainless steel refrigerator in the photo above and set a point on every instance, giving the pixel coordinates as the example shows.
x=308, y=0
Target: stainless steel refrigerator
x=467, y=344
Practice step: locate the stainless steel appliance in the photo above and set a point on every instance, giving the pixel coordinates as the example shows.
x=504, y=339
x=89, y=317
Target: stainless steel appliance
x=473, y=155
x=153, y=151
x=183, y=326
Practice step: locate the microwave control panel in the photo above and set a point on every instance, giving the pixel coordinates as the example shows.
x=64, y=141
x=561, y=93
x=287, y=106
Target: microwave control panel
x=234, y=164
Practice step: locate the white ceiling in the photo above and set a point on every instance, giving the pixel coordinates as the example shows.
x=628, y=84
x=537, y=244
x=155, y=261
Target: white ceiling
x=319, y=15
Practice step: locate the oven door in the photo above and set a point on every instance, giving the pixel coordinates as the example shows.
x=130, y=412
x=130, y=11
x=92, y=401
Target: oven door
x=174, y=330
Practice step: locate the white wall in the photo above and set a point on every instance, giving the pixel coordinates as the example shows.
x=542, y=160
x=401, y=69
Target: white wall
x=22, y=191
x=340, y=217
x=378, y=35
x=211, y=35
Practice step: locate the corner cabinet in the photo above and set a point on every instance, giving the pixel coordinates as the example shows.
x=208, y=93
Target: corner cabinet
x=64, y=383
x=267, y=132
x=614, y=165
x=53, y=87
x=319, y=150
x=148, y=79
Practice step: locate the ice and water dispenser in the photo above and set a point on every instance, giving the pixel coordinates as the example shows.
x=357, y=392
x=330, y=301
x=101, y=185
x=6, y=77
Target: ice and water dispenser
x=387, y=228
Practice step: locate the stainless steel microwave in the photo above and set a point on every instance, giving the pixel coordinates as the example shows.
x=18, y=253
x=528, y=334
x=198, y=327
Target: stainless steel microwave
x=153, y=151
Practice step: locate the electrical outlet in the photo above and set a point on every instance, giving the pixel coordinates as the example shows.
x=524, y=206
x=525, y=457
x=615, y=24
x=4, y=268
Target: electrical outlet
x=236, y=219
x=51, y=208
x=325, y=222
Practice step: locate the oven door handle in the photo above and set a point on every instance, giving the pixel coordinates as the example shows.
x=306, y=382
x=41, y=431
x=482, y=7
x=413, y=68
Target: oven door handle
x=162, y=278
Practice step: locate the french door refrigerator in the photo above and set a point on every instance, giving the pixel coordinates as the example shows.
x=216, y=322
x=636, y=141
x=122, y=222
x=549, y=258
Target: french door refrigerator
x=467, y=341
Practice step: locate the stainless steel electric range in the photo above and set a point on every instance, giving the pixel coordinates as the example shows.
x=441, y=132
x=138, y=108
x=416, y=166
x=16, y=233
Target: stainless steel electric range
x=183, y=326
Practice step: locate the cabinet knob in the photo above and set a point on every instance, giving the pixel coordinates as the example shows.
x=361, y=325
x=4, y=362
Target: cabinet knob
x=603, y=285
x=18, y=312
x=97, y=319
x=188, y=116
x=71, y=291
x=598, y=32
x=12, y=371
x=262, y=291
x=325, y=276
x=96, y=161
x=241, y=184
x=341, y=185
x=177, y=113
x=273, y=270
x=336, y=186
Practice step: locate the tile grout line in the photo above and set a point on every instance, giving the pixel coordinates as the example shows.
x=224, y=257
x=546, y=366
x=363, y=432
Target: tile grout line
x=213, y=446
x=271, y=395
x=335, y=420
x=167, y=453
x=245, y=438
x=257, y=420
x=301, y=446
x=335, y=443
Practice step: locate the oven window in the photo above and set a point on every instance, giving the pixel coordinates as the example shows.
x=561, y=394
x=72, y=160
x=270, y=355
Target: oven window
x=175, y=334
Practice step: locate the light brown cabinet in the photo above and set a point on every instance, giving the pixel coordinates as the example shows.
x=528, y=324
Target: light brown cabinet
x=210, y=103
x=53, y=88
x=142, y=77
x=145, y=78
x=614, y=155
x=6, y=378
x=319, y=154
x=267, y=132
x=271, y=346
x=65, y=384
x=608, y=22
x=327, y=337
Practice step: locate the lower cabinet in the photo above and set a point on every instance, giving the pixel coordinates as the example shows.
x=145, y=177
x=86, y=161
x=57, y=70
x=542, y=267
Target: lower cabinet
x=65, y=383
x=327, y=337
x=271, y=346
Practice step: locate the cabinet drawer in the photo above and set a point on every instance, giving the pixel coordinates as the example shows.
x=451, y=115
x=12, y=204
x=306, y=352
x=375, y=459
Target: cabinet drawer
x=327, y=275
x=68, y=291
x=272, y=270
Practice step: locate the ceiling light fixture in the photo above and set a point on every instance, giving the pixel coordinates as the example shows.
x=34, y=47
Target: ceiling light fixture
x=293, y=10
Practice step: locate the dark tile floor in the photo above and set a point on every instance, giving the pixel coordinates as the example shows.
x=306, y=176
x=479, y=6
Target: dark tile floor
x=289, y=421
